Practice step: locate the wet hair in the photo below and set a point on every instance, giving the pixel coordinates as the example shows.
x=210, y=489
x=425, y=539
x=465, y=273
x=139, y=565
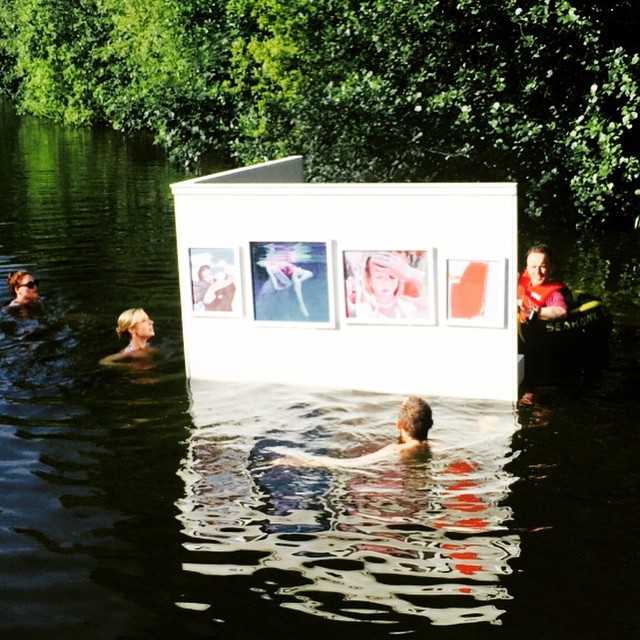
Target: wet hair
x=127, y=319
x=416, y=418
x=13, y=280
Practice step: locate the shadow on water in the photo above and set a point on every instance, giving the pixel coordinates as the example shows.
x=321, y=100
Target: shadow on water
x=135, y=505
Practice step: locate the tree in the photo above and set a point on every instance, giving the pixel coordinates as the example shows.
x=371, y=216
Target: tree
x=542, y=92
x=458, y=90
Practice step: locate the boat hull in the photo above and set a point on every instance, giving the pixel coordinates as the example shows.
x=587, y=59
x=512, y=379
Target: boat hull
x=584, y=330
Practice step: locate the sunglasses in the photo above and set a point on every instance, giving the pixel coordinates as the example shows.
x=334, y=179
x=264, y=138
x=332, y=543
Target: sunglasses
x=32, y=284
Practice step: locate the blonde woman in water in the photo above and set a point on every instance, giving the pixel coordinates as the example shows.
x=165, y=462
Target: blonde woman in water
x=138, y=326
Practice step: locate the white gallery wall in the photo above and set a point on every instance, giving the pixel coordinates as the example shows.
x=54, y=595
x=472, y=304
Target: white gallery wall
x=447, y=350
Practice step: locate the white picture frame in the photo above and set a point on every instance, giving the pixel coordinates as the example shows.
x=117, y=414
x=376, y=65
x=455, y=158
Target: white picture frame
x=476, y=292
x=389, y=286
x=216, y=281
x=292, y=283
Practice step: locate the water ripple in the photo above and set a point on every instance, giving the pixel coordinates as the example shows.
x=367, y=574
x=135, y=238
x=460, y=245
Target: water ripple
x=427, y=537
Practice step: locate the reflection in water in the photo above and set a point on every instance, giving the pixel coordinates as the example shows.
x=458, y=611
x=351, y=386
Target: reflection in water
x=418, y=537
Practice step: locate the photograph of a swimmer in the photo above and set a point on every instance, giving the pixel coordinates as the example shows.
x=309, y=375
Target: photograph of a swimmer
x=290, y=281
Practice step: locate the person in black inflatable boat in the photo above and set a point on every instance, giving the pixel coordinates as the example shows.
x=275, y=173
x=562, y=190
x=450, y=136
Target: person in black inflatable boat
x=539, y=294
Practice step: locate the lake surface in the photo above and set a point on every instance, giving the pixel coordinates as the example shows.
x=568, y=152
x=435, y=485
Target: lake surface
x=136, y=505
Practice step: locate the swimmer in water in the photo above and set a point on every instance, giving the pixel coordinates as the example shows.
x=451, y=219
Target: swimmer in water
x=415, y=418
x=139, y=327
x=24, y=289
x=285, y=272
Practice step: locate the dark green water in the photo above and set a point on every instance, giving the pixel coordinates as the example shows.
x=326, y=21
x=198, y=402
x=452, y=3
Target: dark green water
x=134, y=505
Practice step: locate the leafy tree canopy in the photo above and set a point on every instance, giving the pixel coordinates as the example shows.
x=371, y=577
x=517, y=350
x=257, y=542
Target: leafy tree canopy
x=544, y=92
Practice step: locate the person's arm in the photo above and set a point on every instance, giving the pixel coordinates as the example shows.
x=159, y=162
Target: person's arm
x=552, y=313
x=300, y=458
x=555, y=307
x=114, y=358
x=210, y=295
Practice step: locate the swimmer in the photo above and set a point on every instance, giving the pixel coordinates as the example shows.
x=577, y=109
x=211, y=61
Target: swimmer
x=415, y=418
x=284, y=272
x=139, y=327
x=24, y=289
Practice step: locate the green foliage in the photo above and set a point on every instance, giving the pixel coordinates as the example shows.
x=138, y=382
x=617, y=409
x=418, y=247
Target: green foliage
x=160, y=71
x=156, y=65
x=629, y=282
x=588, y=262
x=51, y=44
x=7, y=59
x=467, y=90
x=605, y=168
x=541, y=92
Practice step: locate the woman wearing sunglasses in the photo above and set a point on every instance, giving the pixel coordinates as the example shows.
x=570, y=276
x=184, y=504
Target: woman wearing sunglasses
x=24, y=289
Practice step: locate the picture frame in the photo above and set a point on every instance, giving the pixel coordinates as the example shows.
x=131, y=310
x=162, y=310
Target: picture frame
x=389, y=286
x=216, y=281
x=292, y=283
x=476, y=292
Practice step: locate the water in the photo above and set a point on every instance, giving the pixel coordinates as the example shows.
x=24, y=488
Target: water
x=136, y=505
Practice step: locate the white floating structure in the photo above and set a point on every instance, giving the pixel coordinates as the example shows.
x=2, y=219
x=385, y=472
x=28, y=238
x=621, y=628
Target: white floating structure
x=394, y=288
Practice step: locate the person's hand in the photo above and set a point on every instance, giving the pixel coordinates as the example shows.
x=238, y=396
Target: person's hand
x=397, y=266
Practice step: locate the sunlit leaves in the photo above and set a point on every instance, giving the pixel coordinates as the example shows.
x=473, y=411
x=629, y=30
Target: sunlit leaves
x=541, y=92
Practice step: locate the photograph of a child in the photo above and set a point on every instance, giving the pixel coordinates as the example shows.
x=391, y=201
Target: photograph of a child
x=388, y=286
x=290, y=282
x=214, y=281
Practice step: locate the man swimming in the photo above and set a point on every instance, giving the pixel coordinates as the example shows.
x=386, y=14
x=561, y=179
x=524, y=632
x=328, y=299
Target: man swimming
x=414, y=421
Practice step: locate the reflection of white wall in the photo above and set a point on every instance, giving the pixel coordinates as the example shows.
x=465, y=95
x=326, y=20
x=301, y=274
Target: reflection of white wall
x=453, y=219
x=413, y=534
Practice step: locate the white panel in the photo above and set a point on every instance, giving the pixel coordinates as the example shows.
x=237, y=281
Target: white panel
x=455, y=221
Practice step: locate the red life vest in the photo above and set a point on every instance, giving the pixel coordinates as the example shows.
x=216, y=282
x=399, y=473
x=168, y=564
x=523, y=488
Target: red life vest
x=530, y=297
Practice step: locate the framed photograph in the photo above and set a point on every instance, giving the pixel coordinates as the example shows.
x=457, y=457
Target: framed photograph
x=216, y=281
x=476, y=292
x=389, y=286
x=292, y=283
